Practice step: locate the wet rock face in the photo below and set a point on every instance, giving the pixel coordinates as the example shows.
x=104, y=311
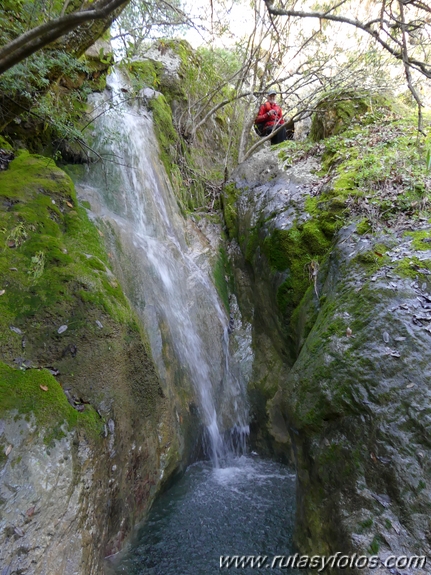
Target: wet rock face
x=39, y=496
x=345, y=373
x=87, y=435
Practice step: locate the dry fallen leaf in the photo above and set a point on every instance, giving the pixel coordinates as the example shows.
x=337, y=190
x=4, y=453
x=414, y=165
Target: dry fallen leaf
x=8, y=450
x=100, y=233
x=348, y=332
x=30, y=511
x=43, y=387
x=69, y=204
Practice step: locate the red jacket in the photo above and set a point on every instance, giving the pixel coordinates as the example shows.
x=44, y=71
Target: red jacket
x=269, y=119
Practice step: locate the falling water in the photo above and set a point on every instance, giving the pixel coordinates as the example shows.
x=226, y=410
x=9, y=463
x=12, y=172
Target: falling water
x=165, y=278
x=232, y=505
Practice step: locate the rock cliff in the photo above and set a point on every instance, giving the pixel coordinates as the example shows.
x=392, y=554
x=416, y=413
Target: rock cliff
x=332, y=272
x=87, y=435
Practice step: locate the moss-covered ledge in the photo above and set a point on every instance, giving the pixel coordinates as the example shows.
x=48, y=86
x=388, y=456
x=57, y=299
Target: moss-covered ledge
x=76, y=373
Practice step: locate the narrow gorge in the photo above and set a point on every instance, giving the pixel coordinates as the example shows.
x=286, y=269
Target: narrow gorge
x=247, y=379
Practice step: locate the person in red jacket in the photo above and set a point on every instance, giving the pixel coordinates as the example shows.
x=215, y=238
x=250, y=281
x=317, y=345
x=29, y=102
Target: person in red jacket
x=270, y=117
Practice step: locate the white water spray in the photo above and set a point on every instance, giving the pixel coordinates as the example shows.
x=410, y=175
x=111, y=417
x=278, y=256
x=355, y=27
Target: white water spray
x=173, y=294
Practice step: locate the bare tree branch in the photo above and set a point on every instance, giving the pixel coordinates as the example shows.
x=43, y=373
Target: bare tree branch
x=407, y=68
x=421, y=67
x=39, y=37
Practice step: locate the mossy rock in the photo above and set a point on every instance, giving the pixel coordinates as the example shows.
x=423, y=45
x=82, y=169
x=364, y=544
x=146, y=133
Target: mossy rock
x=4, y=145
x=336, y=111
x=146, y=72
x=229, y=196
x=38, y=393
x=53, y=266
x=296, y=251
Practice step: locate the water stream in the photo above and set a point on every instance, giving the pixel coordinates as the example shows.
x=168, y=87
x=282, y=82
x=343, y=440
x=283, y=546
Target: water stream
x=232, y=503
x=164, y=273
x=245, y=509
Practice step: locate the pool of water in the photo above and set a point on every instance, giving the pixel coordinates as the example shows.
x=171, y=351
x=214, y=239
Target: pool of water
x=244, y=509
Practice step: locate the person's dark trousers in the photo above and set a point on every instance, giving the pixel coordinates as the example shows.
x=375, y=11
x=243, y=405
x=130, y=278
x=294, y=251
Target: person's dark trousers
x=279, y=137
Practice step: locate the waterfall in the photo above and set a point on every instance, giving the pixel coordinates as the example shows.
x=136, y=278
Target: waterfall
x=162, y=269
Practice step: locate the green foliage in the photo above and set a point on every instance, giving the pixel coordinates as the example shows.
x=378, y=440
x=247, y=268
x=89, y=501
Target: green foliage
x=49, y=112
x=43, y=98
x=37, y=265
x=366, y=525
x=375, y=545
x=141, y=21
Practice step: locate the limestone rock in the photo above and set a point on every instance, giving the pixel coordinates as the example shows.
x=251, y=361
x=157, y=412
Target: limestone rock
x=348, y=405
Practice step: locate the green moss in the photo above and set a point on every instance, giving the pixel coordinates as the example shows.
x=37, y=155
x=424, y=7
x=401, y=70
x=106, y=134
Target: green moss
x=412, y=267
x=365, y=525
x=146, y=72
x=363, y=227
x=372, y=259
x=4, y=145
x=21, y=391
x=223, y=274
x=388, y=524
x=230, y=195
x=295, y=251
x=421, y=240
x=375, y=545
x=50, y=253
x=251, y=243
x=166, y=134
x=182, y=48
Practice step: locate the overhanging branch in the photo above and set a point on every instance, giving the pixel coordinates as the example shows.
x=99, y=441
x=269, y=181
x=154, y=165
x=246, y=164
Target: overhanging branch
x=421, y=67
x=39, y=37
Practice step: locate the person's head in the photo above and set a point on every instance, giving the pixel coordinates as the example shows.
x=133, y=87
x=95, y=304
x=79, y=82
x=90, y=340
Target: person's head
x=271, y=95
